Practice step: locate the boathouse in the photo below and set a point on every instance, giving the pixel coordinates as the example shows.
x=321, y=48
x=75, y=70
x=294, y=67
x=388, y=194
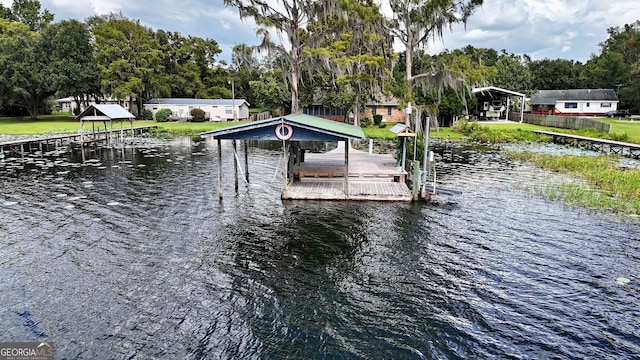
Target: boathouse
x=494, y=103
x=342, y=174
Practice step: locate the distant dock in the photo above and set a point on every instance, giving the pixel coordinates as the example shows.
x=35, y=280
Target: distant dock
x=594, y=144
x=24, y=146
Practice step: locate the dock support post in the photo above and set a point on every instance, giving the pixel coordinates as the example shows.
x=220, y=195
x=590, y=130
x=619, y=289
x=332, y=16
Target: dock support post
x=404, y=154
x=235, y=163
x=219, y=169
x=415, y=183
x=246, y=161
x=346, y=168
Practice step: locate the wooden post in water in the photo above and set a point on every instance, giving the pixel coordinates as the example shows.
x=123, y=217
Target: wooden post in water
x=346, y=168
x=415, y=183
x=235, y=163
x=219, y=169
x=246, y=161
x=285, y=167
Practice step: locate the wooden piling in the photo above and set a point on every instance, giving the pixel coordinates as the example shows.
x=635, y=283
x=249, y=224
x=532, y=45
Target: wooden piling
x=219, y=169
x=246, y=161
x=346, y=167
x=235, y=163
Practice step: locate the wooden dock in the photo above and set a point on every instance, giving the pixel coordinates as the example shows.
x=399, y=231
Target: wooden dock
x=358, y=190
x=371, y=177
x=22, y=146
x=594, y=144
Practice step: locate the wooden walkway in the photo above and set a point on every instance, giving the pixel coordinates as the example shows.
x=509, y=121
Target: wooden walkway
x=371, y=177
x=358, y=190
x=594, y=144
x=22, y=146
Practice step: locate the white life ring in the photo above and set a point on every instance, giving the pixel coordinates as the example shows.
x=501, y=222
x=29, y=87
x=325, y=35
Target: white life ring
x=284, y=131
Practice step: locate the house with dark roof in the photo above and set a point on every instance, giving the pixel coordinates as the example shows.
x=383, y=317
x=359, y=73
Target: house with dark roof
x=215, y=109
x=388, y=107
x=575, y=102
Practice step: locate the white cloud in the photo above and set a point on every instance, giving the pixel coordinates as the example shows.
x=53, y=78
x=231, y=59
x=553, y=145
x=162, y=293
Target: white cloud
x=569, y=29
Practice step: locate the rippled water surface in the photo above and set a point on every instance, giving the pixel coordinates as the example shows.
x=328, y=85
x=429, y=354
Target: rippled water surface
x=130, y=254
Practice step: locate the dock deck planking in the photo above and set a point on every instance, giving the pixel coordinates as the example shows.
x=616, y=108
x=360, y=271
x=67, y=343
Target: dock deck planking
x=358, y=190
x=372, y=177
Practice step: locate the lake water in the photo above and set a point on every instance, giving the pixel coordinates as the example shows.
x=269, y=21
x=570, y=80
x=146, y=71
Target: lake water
x=131, y=255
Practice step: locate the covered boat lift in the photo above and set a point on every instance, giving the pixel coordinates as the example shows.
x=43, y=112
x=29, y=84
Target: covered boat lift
x=103, y=113
x=326, y=176
x=489, y=99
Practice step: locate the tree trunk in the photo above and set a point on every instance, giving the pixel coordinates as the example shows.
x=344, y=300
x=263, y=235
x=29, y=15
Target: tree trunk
x=409, y=78
x=356, y=108
x=295, y=76
x=78, y=101
x=33, y=103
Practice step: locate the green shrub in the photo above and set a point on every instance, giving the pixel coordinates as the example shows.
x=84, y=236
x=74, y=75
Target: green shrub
x=465, y=127
x=146, y=114
x=377, y=119
x=623, y=136
x=366, y=122
x=197, y=115
x=163, y=115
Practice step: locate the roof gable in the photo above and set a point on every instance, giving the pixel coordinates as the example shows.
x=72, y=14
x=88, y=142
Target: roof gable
x=105, y=112
x=304, y=128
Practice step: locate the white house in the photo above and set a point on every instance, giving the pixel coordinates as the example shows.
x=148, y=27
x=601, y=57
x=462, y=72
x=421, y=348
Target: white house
x=68, y=104
x=215, y=109
x=574, y=102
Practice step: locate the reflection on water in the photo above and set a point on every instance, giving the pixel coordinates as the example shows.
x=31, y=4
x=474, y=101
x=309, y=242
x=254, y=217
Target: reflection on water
x=131, y=255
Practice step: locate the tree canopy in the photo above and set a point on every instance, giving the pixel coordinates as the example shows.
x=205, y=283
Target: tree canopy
x=341, y=49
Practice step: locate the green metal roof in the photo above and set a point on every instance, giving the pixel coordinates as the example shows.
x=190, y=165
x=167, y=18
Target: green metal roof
x=324, y=124
x=310, y=125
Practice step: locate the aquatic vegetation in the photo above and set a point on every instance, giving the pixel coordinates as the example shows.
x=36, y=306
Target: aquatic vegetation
x=607, y=185
x=485, y=134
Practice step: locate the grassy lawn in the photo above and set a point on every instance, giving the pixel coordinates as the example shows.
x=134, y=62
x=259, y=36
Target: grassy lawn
x=631, y=128
x=65, y=123
x=375, y=132
x=189, y=128
x=46, y=124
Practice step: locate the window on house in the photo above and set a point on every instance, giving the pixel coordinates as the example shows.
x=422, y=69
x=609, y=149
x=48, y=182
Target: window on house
x=374, y=109
x=605, y=105
x=570, y=105
x=228, y=110
x=389, y=110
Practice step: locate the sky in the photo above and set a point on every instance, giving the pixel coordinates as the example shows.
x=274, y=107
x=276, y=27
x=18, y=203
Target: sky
x=554, y=29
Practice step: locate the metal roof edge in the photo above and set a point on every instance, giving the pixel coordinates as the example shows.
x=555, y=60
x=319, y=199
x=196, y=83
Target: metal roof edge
x=350, y=131
x=497, y=89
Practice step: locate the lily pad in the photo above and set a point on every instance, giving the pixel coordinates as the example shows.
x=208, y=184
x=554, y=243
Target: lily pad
x=622, y=281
